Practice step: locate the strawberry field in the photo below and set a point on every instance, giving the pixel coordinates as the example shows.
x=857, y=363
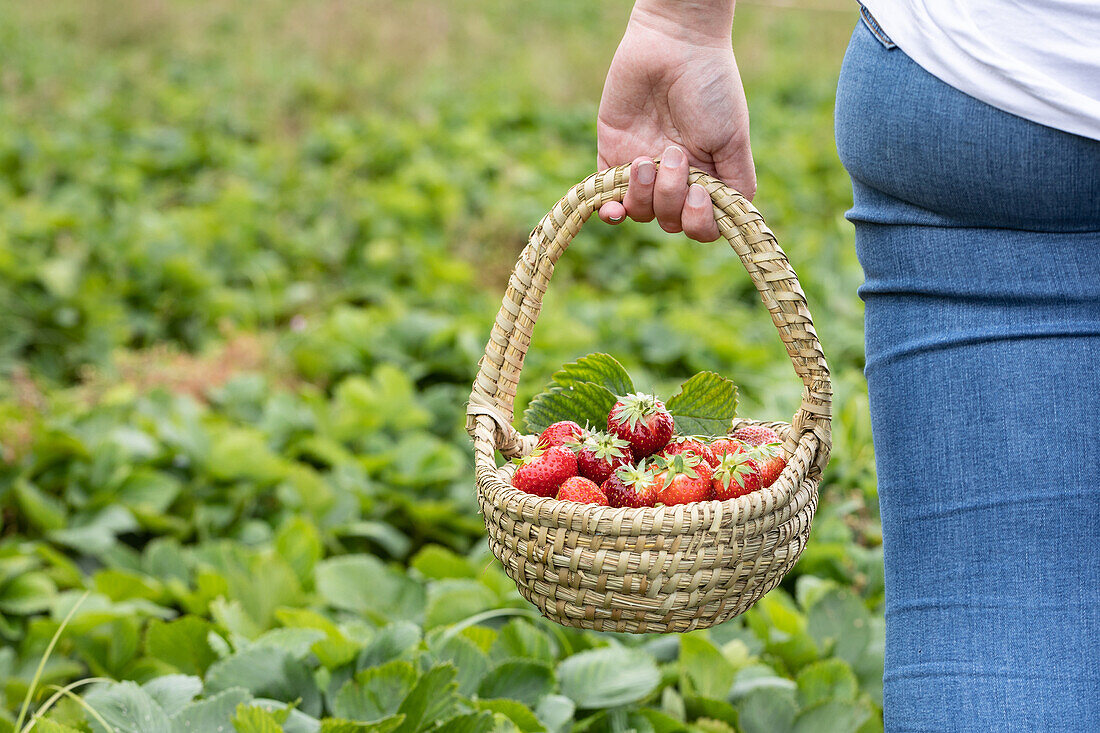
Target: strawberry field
x=249, y=258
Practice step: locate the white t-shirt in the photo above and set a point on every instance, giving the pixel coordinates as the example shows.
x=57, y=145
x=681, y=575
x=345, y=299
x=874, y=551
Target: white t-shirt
x=1038, y=59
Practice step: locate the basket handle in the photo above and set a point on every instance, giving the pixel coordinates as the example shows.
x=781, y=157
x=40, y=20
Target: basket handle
x=492, y=402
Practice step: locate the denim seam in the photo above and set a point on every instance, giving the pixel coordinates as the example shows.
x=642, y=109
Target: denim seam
x=875, y=28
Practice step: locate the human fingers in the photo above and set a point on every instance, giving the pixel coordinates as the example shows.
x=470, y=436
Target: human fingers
x=670, y=189
x=698, y=215
x=639, y=193
x=613, y=212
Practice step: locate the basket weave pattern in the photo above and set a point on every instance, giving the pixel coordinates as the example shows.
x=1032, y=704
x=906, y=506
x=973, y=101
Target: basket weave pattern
x=651, y=569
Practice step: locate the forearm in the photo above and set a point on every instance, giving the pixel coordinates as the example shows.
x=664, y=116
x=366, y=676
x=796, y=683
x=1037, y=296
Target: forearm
x=698, y=21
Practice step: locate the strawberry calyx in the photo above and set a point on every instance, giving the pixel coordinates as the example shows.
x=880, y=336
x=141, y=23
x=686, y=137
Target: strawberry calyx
x=767, y=450
x=604, y=446
x=692, y=444
x=633, y=407
x=529, y=458
x=630, y=475
x=631, y=486
x=733, y=467
x=700, y=439
x=727, y=445
x=678, y=464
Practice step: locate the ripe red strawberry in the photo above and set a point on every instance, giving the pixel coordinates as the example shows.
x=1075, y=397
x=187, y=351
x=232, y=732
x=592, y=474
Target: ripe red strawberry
x=641, y=420
x=544, y=470
x=771, y=460
x=561, y=433
x=736, y=475
x=631, y=486
x=756, y=435
x=580, y=489
x=727, y=446
x=684, y=478
x=680, y=444
x=600, y=454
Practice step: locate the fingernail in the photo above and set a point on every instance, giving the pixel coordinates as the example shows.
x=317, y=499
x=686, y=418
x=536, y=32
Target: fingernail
x=647, y=172
x=674, y=157
x=697, y=195
x=615, y=219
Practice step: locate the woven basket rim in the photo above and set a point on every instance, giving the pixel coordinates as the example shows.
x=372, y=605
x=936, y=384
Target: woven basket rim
x=783, y=491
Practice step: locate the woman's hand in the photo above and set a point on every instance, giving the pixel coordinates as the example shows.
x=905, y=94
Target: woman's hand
x=673, y=90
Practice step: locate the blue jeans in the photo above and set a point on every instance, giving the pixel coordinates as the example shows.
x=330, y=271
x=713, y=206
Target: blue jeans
x=979, y=236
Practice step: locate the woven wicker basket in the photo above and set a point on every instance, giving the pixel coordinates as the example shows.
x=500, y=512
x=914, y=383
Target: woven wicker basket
x=652, y=569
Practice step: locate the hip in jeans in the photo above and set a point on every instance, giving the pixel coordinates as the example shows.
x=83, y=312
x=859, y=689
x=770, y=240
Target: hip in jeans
x=979, y=235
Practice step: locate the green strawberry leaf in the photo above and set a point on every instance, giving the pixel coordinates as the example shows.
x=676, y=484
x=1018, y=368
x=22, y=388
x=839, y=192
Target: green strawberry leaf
x=583, y=391
x=173, y=692
x=365, y=584
x=601, y=369
x=828, y=679
x=453, y=599
x=41, y=510
x=126, y=708
x=469, y=723
x=515, y=711
x=375, y=693
x=469, y=661
x=437, y=562
x=27, y=594
x=661, y=722
x=583, y=402
x=699, y=707
x=832, y=715
x=767, y=711
x=705, y=405
x=209, y=713
x=519, y=639
x=251, y=719
x=840, y=620
x=337, y=725
x=555, y=712
x=182, y=643
x=523, y=680
x=266, y=672
x=432, y=699
x=51, y=726
x=398, y=640
x=608, y=677
x=711, y=674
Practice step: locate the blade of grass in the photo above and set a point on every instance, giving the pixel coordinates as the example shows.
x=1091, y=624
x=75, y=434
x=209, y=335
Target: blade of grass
x=45, y=657
x=88, y=708
x=61, y=691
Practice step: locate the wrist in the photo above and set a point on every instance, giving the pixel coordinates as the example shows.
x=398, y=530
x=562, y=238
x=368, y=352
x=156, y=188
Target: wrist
x=700, y=22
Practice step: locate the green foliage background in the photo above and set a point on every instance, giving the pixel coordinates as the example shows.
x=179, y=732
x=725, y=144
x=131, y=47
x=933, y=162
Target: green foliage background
x=249, y=257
